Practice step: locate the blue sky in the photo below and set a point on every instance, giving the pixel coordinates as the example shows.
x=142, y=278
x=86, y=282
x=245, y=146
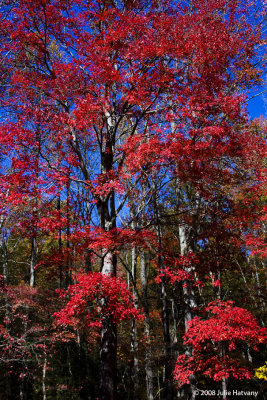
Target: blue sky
x=257, y=106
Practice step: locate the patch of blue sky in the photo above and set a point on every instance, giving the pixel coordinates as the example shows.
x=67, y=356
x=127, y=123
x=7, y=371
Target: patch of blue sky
x=257, y=102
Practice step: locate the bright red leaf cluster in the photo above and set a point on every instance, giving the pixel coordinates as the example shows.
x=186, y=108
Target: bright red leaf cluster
x=94, y=296
x=224, y=330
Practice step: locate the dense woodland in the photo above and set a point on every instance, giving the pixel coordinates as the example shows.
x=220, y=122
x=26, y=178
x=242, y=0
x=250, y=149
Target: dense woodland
x=132, y=200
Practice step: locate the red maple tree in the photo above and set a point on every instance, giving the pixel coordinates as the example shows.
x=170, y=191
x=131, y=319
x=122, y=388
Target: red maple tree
x=215, y=343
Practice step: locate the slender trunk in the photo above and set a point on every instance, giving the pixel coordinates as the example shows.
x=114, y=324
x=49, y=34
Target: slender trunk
x=33, y=262
x=250, y=359
x=134, y=367
x=175, y=321
x=224, y=388
x=219, y=287
x=60, y=268
x=68, y=267
x=187, y=244
x=167, y=343
x=108, y=359
x=35, y=217
x=148, y=353
x=261, y=296
x=189, y=298
x=188, y=392
x=167, y=379
x=32, y=283
x=4, y=258
x=8, y=388
x=88, y=261
x=88, y=254
x=189, y=304
x=21, y=389
x=107, y=216
x=108, y=346
x=5, y=275
x=44, y=377
x=224, y=381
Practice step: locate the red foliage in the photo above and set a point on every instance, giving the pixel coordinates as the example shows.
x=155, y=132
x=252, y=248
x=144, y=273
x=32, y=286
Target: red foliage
x=95, y=296
x=97, y=239
x=224, y=330
x=25, y=331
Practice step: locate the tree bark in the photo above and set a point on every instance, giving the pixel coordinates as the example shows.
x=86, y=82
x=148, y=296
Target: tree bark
x=44, y=377
x=8, y=388
x=187, y=241
x=33, y=262
x=148, y=353
x=189, y=298
x=107, y=217
x=134, y=367
x=108, y=346
x=167, y=379
x=60, y=268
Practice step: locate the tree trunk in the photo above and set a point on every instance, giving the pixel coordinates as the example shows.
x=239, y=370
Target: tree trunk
x=68, y=277
x=108, y=346
x=174, y=320
x=168, y=368
x=60, y=268
x=44, y=377
x=224, y=388
x=224, y=380
x=33, y=262
x=8, y=388
x=261, y=295
x=189, y=298
x=4, y=258
x=148, y=353
x=134, y=367
x=108, y=360
x=189, y=304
